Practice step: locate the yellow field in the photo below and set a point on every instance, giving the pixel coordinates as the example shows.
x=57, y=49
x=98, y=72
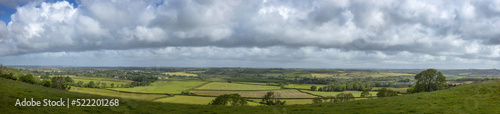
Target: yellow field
x=179, y=74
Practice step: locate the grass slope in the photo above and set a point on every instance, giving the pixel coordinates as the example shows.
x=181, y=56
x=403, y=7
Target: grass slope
x=481, y=97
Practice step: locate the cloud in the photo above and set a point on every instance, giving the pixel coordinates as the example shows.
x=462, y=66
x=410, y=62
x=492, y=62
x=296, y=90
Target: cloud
x=369, y=30
x=269, y=57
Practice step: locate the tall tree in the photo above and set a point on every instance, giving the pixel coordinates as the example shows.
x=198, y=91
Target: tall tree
x=272, y=99
x=233, y=99
x=313, y=88
x=429, y=80
x=59, y=82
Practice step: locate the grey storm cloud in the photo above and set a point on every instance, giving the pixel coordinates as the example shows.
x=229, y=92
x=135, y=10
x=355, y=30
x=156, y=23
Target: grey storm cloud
x=437, y=30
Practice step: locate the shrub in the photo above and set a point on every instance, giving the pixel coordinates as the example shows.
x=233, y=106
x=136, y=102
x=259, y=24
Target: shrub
x=27, y=78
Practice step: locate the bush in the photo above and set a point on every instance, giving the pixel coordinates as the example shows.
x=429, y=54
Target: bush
x=46, y=83
x=384, y=92
x=28, y=78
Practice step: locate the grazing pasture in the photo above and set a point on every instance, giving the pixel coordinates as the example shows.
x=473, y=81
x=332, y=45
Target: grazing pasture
x=108, y=81
x=104, y=92
x=302, y=86
x=179, y=74
x=183, y=99
x=291, y=101
x=235, y=86
x=256, y=94
x=165, y=87
x=358, y=74
x=324, y=94
x=186, y=99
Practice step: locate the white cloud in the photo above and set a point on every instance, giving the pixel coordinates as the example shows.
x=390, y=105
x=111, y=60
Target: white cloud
x=361, y=32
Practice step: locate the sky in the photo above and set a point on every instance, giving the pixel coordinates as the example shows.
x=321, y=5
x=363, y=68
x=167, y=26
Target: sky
x=379, y=34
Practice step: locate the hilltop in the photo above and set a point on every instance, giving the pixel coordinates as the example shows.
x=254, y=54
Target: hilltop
x=482, y=97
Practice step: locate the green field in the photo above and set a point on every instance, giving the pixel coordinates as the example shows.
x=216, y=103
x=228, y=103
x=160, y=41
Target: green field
x=255, y=94
x=235, y=86
x=166, y=87
x=480, y=97
x=104, y=92
x=302, y=86
x=358, y=74
x=186, y=99
x=179, y=74
x=182, y=99
x=355, y=93
x=108, y=81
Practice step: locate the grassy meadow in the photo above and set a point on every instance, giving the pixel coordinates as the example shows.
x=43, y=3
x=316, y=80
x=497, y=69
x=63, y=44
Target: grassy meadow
x=235, y=86
x=163, y=87
x=180, y=74
x=182, y=99
x=358, y=74
x=325, y=94
x=110, y=93
x=108, y=81
x=290, y=93
x=303, y=86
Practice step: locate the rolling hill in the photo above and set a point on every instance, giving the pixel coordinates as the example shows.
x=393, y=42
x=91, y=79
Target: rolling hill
x=482, y=97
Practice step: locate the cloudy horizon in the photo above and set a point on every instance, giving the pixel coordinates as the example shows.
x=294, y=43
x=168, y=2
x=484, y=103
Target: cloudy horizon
x=441, y=34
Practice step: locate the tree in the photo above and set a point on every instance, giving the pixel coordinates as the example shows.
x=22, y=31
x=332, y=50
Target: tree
x=103, y=85
x=233, y=99
x=313, y=88
x=43, y=76
x=343, y=97
x=91, y=84
x=98, y=84
x=282, y=85
x=384, y=92
x=429, y=80
x=59, y=82
x=272, y=99
x=79, y=83
x=68, y=79
x=112, y=85
x=366, y=93
x=46, y=83
x=28, y=79
x=317, y=100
